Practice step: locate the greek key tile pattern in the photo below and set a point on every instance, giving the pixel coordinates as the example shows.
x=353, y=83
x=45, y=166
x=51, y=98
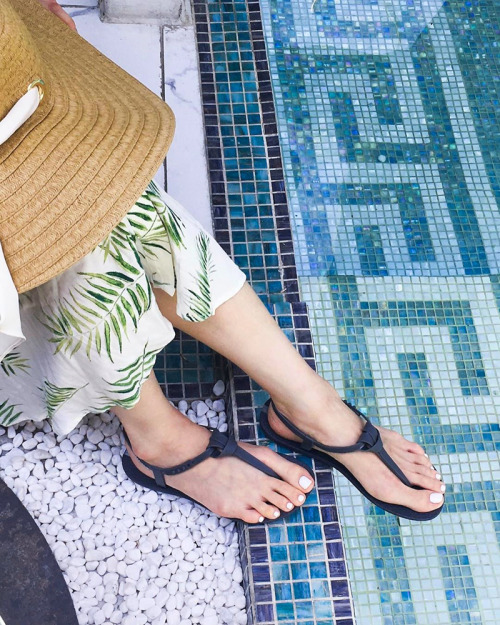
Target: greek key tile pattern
x=389, y=123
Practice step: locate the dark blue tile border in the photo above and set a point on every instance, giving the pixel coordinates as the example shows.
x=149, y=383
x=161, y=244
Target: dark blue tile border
x=295, y=571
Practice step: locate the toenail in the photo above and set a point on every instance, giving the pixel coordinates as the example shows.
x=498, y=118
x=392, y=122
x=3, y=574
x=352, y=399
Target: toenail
x=289, y=506
x=305, y=482
x=261, y=519
x=436, y=497
x=301, y=498
x=438, y=476
x=426, y=455
x=443, y=488
x=276, y=514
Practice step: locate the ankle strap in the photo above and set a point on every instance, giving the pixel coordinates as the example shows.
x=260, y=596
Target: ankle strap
x=178, y=468
x=219, y=445
x=308, y=442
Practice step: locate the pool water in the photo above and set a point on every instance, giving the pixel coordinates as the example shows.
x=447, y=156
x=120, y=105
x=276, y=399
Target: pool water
x=389, y=119
x=381, y=122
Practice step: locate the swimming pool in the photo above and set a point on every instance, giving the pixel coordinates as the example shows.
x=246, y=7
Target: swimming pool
x=353, y=152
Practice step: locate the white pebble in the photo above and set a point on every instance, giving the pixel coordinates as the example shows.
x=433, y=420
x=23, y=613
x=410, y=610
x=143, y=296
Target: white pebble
x=219, y=405
x=219, y=387
x=129, y=555
x=83, y=511
x=201, y=409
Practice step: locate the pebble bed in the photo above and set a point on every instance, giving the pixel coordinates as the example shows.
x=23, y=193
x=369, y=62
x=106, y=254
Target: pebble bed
x=129, y=555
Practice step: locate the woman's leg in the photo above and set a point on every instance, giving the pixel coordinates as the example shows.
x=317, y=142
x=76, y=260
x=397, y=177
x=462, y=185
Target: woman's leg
x=243, y=331
x=162, y=436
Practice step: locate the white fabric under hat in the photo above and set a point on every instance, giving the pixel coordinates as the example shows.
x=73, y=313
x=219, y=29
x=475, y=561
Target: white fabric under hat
x=11, y=334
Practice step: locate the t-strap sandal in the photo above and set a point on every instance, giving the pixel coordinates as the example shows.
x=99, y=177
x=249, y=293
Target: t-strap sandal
x=219, y=445
x=369, y=440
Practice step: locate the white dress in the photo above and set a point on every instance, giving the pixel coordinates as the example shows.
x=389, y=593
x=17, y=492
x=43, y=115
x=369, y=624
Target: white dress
x=93, y=332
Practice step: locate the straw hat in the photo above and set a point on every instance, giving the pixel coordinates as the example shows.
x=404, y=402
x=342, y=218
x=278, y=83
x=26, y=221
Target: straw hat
x=72, y=170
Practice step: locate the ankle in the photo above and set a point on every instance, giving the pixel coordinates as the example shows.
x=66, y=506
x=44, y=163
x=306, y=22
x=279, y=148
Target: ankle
x=171, y=440
x=304, y=408
x=322, y=414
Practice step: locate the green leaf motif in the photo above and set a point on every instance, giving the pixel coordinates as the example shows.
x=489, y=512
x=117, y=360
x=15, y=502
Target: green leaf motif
x=99, y=313
x=125, y=391
x=8, y=413
x=56, y=396
x=145, y=221
x=13, y=363
x=117, y=240
x=200, y=305
x=172, y=223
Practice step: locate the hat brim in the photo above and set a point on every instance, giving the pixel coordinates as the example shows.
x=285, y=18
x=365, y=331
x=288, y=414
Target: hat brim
x=79, y=163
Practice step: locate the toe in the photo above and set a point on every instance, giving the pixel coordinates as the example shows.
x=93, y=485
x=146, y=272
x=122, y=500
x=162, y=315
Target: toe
x=278, y=500
x=420, y=470
x=415, y=448
x=252, y=516
x=296, y=475
x=429, y=483
x=422, y=500
x=418, y=460
x=285, y=490
x=267, y=510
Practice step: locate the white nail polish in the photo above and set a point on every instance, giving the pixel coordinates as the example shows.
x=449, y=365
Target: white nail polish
x=301, y=498
x=443, y=488
x=426, y=455
x=438, y=476
x=305, y=482
x=261, y=519
x=436, y=497
x=289, y=506
x=276, y=514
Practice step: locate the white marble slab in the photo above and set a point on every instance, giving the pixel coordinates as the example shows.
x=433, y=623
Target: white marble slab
x=80, y=3
x=134, y=47
x=137, y=49
x=187, y=173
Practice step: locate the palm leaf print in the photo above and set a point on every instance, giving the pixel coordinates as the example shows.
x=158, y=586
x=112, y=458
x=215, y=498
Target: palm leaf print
x=200, y=306
x=56, y=396
x=101, y=313
x=8, y=413
x=150, y=231
x=126, y=389
x=117, y=240
x=12, y=363
x=172, y=223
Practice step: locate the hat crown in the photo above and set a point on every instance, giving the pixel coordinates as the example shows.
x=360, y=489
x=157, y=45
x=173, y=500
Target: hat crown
x=20, y=59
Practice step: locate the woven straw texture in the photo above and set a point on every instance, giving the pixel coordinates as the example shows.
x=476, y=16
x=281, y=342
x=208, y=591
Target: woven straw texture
x=78, y=164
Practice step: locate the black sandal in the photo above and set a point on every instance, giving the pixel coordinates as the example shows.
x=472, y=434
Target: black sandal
x=219, y=445
x=369, y=440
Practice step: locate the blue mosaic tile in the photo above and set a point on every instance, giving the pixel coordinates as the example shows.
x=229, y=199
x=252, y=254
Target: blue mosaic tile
x=389, y=126
x=389, y=150
x=383, y=109
x=459, y=584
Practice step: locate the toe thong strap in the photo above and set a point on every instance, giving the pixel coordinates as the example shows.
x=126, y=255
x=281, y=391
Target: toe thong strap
x=219, y=445
x=369, y=440
x=372, y=441
x=228, y=446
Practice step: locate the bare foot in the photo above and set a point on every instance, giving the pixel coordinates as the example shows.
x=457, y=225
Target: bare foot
x=227, y=486
x=332, y=423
